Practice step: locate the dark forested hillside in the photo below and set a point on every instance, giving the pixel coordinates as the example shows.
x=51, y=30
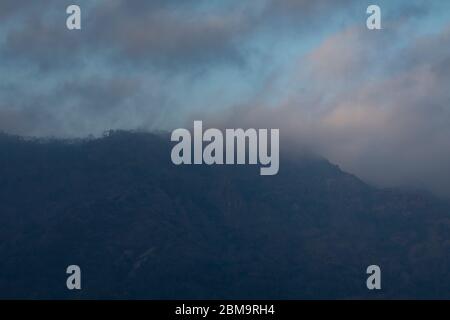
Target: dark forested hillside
x=140, y=227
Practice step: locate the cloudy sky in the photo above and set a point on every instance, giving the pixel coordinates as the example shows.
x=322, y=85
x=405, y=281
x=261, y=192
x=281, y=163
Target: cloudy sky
x=375, y=102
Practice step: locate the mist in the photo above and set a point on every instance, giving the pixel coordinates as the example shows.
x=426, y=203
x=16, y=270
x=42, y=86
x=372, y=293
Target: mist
x=374, y=102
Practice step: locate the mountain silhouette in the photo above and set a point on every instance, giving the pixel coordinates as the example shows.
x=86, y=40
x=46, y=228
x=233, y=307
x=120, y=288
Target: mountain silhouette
x=140, y=227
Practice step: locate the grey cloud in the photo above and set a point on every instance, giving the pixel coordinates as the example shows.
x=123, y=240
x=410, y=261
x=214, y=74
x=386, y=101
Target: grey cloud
x=41, y=44
x=12, y=8
x=379, y=111
x=173, y=35
x=152, y=32
x=392, y=129
x=170, y=38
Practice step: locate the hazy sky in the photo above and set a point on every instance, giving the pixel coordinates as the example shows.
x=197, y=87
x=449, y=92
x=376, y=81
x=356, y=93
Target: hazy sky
x=375, y=102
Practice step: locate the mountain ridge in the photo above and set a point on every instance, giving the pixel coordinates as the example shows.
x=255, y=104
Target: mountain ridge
x=141, y=227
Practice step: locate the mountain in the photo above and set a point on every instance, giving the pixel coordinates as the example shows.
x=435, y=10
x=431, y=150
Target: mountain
x=140, y=227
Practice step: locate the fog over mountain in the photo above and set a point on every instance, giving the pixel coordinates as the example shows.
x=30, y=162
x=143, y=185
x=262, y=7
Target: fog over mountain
x=374, y=102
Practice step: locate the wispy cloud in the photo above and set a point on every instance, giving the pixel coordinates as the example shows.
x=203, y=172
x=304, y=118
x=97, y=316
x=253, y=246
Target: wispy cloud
x=376, y=103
